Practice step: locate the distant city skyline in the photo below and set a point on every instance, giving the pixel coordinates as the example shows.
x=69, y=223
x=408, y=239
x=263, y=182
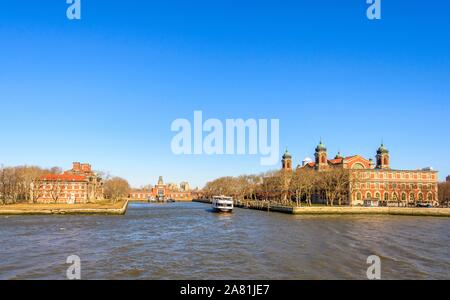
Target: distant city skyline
x=105, y=89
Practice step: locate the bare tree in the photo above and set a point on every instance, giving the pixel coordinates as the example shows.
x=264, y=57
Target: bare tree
x=29, y=176
x=300, y=184
x=444, y=193
x=312, y=185
x=9, y=185
x=284, y=182
x=36, y=190
x=116, y=188
x=284, y=186
x=56, y=190
x=55, y=170
x=327, y=183
x=343, y=183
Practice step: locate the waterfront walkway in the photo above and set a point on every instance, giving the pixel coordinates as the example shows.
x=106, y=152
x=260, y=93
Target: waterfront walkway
x=342, y=210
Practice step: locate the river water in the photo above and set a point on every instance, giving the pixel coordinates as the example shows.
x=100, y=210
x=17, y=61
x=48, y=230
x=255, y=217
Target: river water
x=188, y=241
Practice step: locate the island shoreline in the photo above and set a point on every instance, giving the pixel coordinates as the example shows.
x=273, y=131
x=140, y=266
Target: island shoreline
x=82, y=209
x=333, y=210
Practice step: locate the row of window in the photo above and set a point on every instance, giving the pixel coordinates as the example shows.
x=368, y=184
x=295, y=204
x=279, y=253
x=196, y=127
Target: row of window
x=140, y=196
x=394, y=196
x=386, y=175
x=179, y=196
x=145, y=196
x=403, y=186
x=63, y=195
x=70, y=187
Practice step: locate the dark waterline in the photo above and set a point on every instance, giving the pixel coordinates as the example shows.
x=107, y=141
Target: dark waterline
x=188, y=241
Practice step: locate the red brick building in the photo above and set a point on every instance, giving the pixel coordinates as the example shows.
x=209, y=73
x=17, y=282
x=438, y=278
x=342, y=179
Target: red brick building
x=375, y=180
x=78, y=185
x=163, y=192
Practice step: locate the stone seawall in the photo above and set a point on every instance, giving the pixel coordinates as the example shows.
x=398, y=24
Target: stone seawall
x=329, y=210
x=146, y=201
x=202, y=201
x=429, y=212
x=55, y=209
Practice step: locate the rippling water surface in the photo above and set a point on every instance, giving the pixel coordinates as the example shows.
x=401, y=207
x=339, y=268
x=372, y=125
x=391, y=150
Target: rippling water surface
x=187, y=241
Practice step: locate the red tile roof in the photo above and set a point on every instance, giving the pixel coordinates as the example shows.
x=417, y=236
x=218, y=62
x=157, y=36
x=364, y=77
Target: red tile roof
x=335, y=161
x=353, y=156
x=63, y=177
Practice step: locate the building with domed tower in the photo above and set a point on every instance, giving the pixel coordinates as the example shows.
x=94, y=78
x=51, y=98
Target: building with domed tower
x=163, y=192
x=286, y=162
x=376, y=180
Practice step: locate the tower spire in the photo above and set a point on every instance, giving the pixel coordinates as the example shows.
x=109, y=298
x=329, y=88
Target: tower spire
x=287, y=160
x=383, y=159
x=321, y=156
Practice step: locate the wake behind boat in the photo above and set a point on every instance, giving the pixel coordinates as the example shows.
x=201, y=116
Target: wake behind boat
x=222, y=204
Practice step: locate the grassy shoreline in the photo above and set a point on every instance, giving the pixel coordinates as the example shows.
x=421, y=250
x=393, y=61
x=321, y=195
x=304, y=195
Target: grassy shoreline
x=104, y=208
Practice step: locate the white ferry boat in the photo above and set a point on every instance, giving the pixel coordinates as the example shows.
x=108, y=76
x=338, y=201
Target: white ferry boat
x=222, y=204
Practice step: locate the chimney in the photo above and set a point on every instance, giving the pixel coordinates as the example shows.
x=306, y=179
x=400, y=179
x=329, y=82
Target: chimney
x=86, y=168
x=76, y=166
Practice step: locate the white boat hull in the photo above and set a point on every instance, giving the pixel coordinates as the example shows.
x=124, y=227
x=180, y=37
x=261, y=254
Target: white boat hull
x=222, y=204
x=223, y=210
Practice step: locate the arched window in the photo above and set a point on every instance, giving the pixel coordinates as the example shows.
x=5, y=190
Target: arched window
x=420, y=197
x=394, y=197
x=412, y=197
x=386, y=196
x=323, y=160
x=358, y=166
x=404, y=197
x=377, y=196
x=430, y=196
x=368, y=195
x=358, y=196
x=386, y=161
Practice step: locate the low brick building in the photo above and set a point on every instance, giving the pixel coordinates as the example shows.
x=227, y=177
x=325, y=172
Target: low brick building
x=375, y=180
x=162, y=192
x=78, y=185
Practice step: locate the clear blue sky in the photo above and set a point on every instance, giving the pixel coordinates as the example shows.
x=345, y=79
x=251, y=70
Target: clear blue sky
x=105, y=89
